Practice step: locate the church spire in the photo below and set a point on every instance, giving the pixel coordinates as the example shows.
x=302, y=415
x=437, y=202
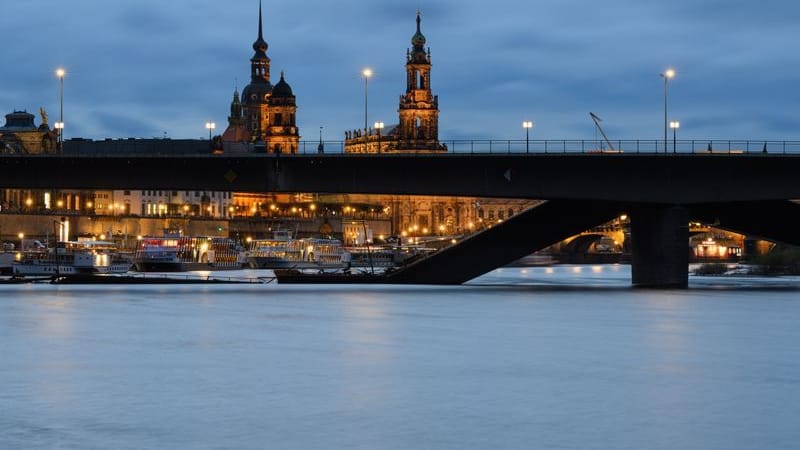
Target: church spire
x=260, y=45
x=259, y=63
x=418, y=40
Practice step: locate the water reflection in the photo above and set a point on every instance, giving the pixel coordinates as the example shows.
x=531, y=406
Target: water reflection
x=504, y=362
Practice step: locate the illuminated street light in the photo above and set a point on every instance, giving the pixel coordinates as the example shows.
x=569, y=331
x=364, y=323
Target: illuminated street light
x=60, y=73
x=674, y=125
x=210, y=126
x=667, y=75
x=367, y=74
x=379, y=126
x=528, y=124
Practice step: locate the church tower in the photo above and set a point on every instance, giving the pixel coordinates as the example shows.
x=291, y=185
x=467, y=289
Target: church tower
x=255, y=96
x=237, y=125
x=282, y=134
x=265, y=115
x=419, y=108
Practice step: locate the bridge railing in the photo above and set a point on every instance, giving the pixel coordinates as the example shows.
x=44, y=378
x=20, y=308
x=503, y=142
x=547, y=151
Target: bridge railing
x=592, y=146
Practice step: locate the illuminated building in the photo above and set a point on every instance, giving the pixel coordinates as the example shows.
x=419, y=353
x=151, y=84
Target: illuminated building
x=418, y=128
x=21, y=136
x=418, y=132
x=264, y=118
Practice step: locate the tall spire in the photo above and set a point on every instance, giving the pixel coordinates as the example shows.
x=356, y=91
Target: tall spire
x=259, y=63
x=260, y=23
x=260, y=45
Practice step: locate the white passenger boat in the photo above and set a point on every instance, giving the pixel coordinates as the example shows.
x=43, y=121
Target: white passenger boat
x=181, y=253
x=70, y=258
x=284, y=252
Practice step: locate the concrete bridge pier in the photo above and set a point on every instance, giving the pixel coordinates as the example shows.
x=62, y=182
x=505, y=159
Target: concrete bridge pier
x=659, y=250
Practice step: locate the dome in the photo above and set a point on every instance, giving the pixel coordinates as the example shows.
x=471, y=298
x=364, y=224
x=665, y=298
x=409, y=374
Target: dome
x=282, y=89
x=256, y=92
x=260, y=46
x=19, y=121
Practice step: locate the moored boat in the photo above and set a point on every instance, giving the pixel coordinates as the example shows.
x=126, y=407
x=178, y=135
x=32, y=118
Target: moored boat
x=71, y=257
x=284, y=252
x=179, y=254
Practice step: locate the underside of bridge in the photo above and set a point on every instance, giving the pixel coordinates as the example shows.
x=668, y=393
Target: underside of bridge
x=521, y=235
x=659, y=248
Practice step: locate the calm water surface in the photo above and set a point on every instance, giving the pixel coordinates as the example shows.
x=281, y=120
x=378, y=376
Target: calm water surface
x=565, y=357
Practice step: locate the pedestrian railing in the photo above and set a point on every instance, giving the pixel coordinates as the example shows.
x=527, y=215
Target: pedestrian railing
x=584, y=146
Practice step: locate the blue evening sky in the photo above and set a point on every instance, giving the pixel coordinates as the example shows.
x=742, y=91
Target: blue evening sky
x=144, y=68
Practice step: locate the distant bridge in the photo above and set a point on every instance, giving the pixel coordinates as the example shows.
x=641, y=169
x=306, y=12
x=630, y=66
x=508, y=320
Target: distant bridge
x=747, y=192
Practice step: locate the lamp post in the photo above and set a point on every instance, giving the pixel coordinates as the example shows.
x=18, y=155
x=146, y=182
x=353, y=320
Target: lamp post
x=60, y=127
x=210, y=126
x=60, y=73
x=379, y=126
x=674, y=124
x=528, y=124
x=367, y=74
x=321, y=146
x=667, y=75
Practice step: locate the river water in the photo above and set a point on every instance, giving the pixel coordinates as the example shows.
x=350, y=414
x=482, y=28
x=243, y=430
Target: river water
x=557, y=358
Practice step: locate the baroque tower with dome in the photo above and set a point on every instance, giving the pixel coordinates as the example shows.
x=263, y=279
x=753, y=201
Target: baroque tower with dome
x=418, y=128
x=265, y=115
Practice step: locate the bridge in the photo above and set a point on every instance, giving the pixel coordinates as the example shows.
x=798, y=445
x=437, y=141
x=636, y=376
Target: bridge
x=747, y=192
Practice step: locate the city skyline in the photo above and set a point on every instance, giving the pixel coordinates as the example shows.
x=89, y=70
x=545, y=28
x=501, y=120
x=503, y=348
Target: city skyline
x=152, y=69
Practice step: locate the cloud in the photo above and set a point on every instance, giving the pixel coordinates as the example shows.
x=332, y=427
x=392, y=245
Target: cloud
x=145, y=67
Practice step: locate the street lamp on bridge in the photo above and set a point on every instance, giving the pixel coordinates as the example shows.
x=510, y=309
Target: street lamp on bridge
x=667, y=75
x=210, y=126
x=674, y=124
x=60, y=73
x=528, y=124
x=367, y=73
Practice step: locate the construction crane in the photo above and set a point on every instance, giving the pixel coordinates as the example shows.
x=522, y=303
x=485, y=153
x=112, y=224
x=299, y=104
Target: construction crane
x=597, y=121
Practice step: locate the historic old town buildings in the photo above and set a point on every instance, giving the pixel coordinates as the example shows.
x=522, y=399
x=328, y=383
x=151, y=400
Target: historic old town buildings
x=263, y=119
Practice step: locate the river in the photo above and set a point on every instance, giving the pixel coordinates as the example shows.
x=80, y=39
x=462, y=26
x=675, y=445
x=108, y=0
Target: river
x=563, y=357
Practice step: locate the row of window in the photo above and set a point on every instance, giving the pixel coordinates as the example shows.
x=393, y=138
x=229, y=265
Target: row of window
x=500, y=214
x=197, y=194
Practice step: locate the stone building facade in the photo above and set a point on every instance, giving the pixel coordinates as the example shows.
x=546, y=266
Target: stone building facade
x=20, y=135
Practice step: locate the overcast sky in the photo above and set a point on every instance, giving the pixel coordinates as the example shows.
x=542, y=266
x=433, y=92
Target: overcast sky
x=143, y=68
